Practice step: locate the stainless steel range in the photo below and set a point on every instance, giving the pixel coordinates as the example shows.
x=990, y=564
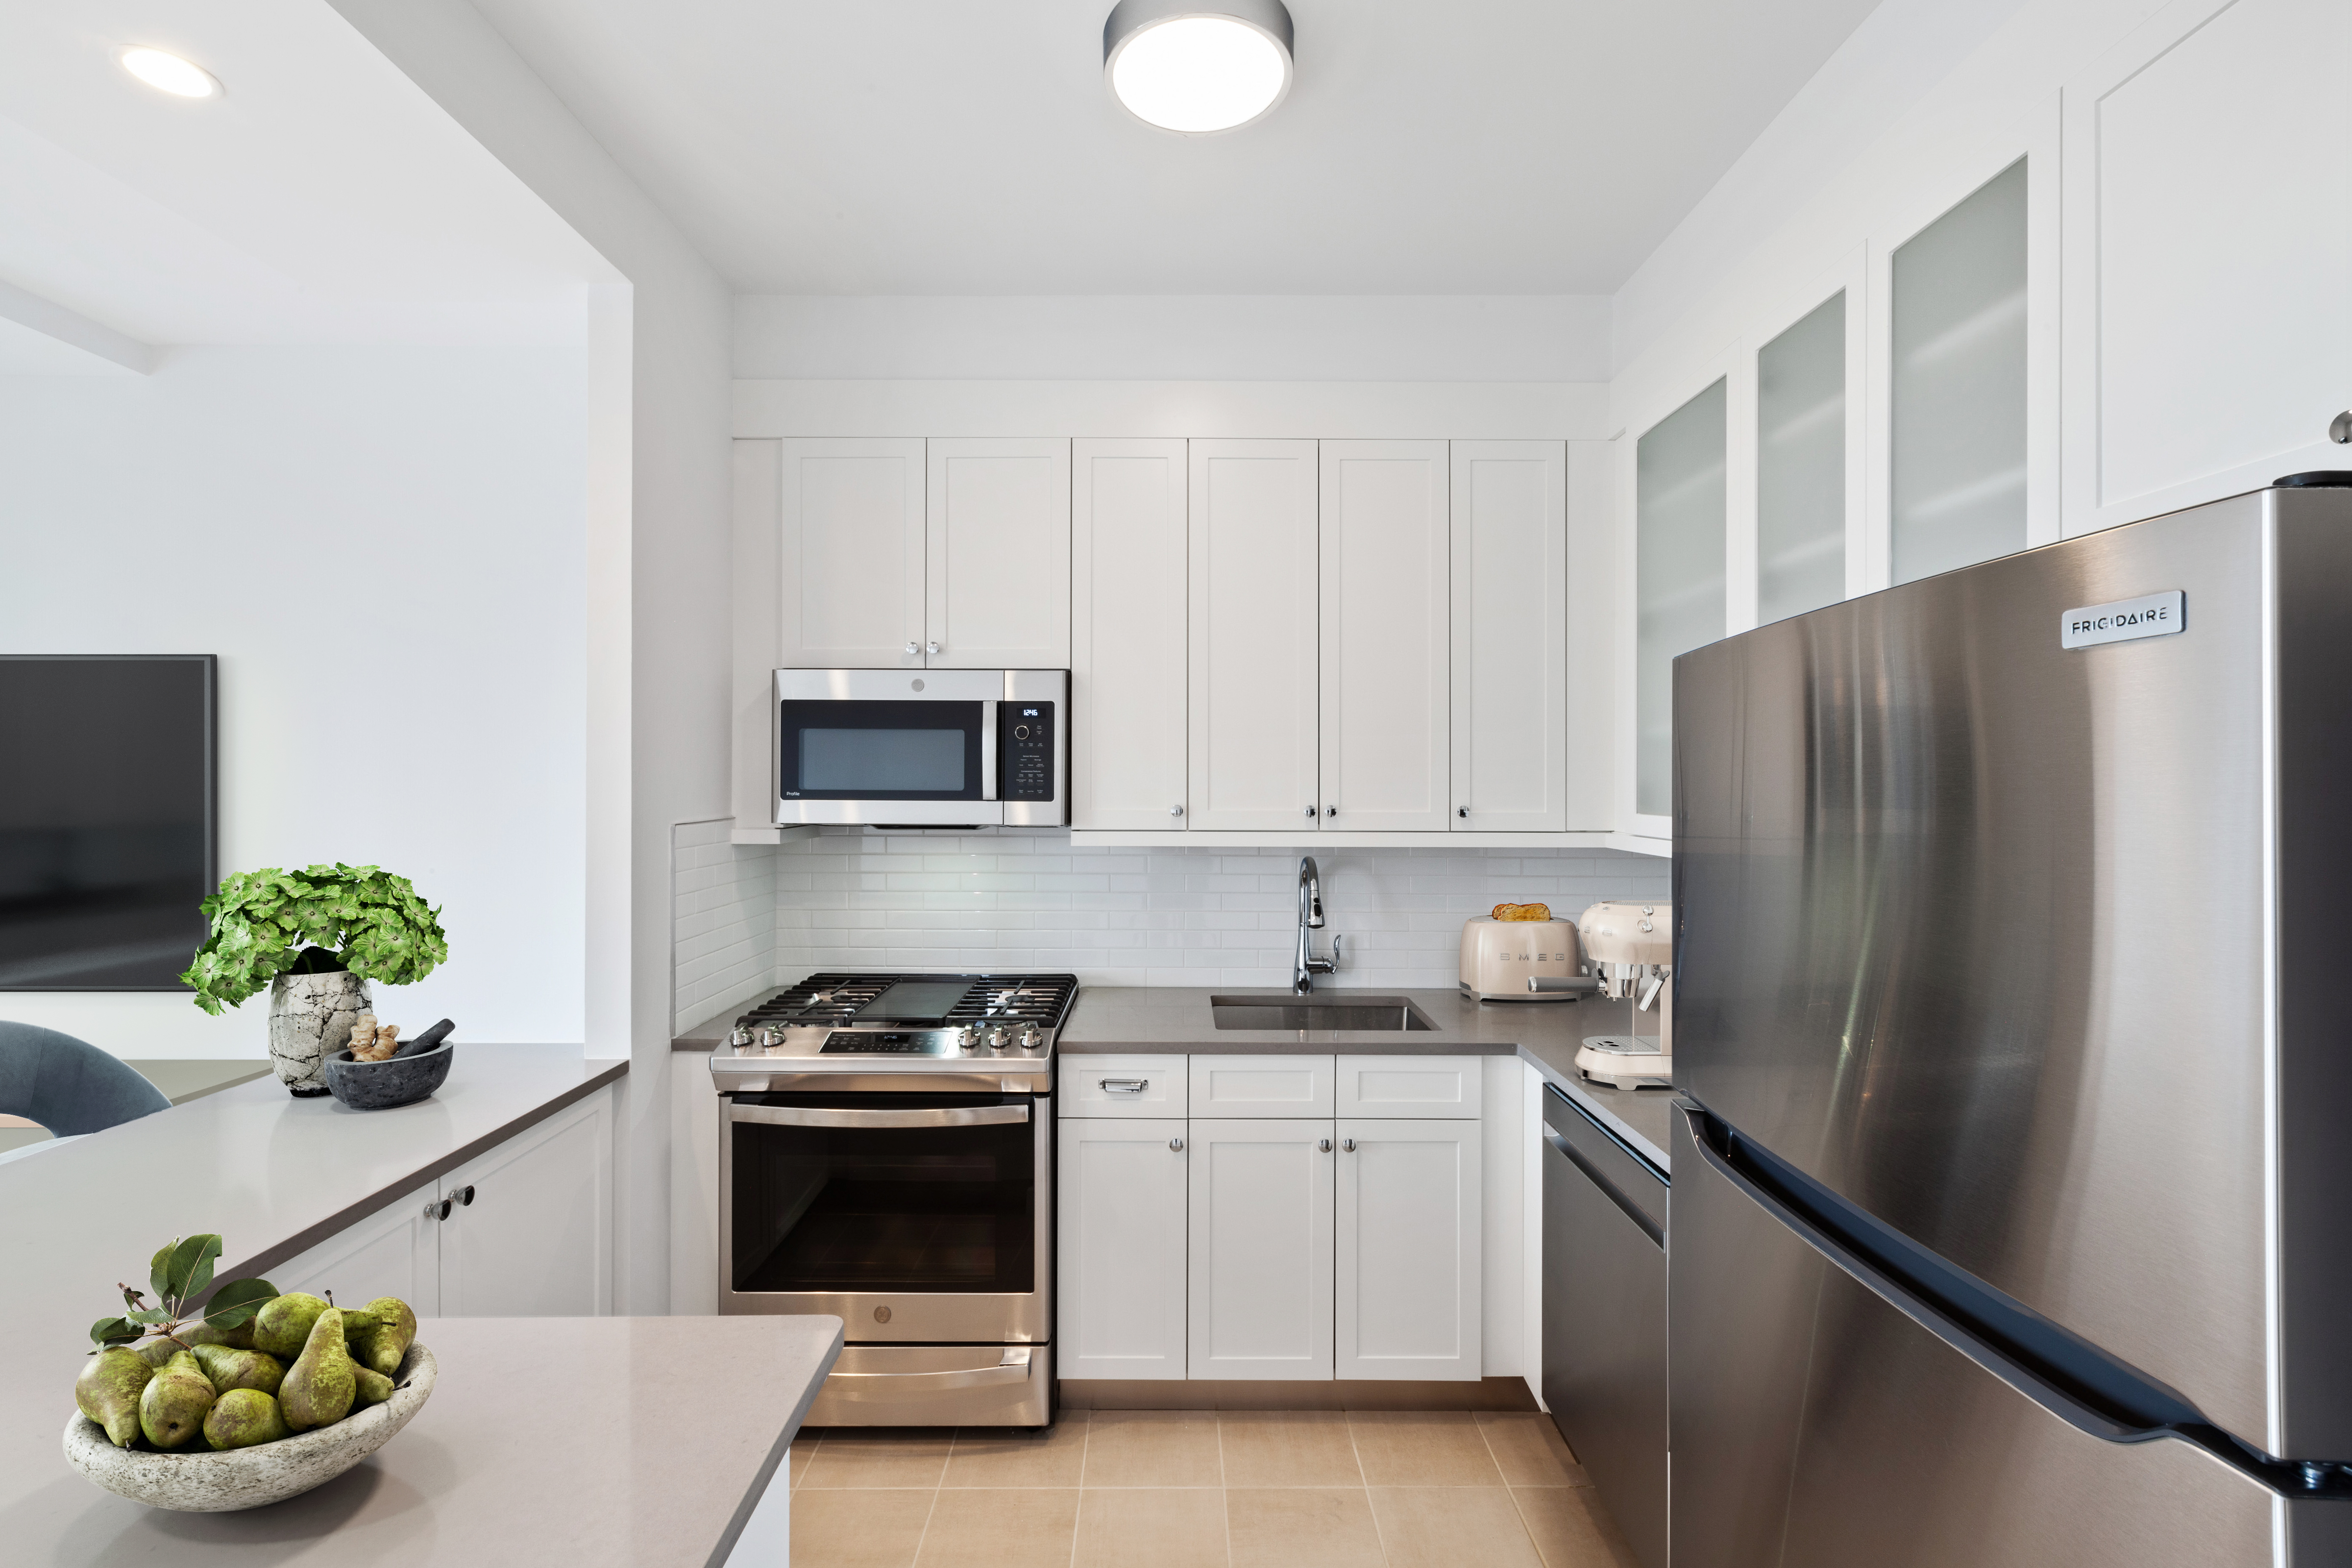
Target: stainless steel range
x=886, y=1155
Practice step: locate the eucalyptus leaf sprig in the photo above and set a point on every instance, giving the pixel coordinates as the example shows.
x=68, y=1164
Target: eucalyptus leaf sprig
x=315, y=920
x=180, y=1273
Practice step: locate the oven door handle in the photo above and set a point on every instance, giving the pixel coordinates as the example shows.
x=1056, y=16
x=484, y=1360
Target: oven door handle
x=870, y=1385
x=829, y=1116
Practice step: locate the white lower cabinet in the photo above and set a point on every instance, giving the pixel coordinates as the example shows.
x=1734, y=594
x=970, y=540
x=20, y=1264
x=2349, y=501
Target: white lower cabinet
x=1122, y=1235
x=1260, y=1265
x=534, y=1240
x=1408, y=1265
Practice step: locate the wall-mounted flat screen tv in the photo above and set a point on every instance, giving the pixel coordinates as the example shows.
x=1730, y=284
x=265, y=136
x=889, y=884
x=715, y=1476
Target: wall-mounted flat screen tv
x=108, y=819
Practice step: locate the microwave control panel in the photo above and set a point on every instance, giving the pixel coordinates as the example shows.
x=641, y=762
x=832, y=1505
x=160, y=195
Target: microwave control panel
x=1024, y=750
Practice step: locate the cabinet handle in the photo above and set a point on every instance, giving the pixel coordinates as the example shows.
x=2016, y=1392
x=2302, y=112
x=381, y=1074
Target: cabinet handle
x=1323, y=1144
x=1175, y=811
x=1330, y=810
x=2339, y=430
x=465, y=1198
x=1463, y=812
x=1177, y=1144
x=913, y=648
x=1125, y=1084
x=1349, y=1144
x=1310, y=811
x=440, y=1210
x=934, y=648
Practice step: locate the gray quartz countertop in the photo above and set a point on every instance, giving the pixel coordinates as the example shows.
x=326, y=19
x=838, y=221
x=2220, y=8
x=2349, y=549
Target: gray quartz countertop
x=273, y=1174
x=1117, y=1019
x=651, y=1452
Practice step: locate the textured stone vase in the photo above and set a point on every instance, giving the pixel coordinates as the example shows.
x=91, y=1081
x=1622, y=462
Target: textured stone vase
x=311, y=1018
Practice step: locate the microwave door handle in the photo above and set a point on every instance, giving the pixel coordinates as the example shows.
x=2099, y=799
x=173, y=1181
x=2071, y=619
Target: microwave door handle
x=829, y=1116
x=988, y=750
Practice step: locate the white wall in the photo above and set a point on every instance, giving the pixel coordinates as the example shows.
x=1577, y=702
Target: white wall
x=383, y=547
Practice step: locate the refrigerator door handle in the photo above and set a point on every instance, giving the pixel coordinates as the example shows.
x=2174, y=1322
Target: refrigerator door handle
x=2075, y=1381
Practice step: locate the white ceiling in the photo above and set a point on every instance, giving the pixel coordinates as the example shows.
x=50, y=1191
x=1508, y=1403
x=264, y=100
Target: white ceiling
x=324, y=198
x=968, y=147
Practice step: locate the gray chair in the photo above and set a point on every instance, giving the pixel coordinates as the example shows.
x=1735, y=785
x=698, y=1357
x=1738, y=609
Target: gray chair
x=68, y=1086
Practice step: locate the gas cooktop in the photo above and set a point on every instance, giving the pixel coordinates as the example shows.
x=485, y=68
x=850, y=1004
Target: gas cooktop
x=837, y=1021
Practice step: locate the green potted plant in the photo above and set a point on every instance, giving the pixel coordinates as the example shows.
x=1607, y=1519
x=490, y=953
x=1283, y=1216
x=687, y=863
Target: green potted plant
x=315, y=937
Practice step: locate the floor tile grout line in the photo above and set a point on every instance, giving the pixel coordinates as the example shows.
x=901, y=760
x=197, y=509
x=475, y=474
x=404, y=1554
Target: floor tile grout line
x=1379, y=1535
x=1511, y=1492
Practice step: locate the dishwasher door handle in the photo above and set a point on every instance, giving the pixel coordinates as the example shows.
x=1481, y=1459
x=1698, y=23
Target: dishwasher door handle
x=829, y=1116
x=865, y=1386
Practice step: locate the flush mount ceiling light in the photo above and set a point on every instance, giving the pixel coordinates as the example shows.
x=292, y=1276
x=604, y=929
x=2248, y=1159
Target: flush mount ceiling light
x=1197, y=69
x=169, y=73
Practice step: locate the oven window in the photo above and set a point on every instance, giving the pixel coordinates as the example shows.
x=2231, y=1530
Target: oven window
x=904, y=1209
x=880, y=750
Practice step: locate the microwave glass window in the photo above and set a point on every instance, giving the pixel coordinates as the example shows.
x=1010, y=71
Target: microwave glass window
x=856, y=761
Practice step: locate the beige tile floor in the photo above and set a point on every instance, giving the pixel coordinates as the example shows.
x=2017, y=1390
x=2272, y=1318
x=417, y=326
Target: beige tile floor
x=1203, y=1489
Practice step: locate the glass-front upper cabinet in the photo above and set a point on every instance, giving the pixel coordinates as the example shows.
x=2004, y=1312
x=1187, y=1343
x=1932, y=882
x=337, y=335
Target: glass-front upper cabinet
x=1959, y=383
x=1800, y=466
x=1678, y=575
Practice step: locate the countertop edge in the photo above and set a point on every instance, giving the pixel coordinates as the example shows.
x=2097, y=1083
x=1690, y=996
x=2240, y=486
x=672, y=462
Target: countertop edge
x=269, y=1257
x=1568, y=1086
x=779, y=1455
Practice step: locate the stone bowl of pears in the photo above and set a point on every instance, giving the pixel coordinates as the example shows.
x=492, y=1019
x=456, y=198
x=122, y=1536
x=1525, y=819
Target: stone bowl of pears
x=258, y=1397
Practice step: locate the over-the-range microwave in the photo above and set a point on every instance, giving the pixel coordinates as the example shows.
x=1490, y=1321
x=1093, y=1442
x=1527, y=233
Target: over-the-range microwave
x=922, y=747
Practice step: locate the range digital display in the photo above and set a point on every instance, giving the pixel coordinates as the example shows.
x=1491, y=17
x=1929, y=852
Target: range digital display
x=108, y=819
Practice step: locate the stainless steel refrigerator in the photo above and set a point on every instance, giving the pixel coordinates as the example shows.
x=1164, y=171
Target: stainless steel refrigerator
x=2011, y=1219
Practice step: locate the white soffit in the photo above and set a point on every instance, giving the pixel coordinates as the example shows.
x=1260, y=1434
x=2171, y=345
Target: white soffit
x=943, y=147
x=323, y=198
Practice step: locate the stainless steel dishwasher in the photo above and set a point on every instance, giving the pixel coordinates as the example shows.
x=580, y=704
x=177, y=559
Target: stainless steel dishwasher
x=1604, y=1316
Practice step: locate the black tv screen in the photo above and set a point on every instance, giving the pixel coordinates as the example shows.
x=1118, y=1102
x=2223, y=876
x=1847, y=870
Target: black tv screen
x=107, y=819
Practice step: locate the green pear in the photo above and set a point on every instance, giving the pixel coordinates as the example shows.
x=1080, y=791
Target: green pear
x=384, y=1334
x=229, y=1368
x=238, y=1338
x=242, y=1417
x=372, y=1386
x=108, y=1392
x=321, y=1385
x=155, y=1353
x=173, y=1404
x=282, y=1327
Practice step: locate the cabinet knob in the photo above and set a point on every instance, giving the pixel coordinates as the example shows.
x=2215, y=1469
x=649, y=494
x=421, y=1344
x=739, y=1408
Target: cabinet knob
x=1323, y=1144
x=934, y=648
x=2339, y=430
x=465, y=1197
x=913, y=648
x=440, y=1210
x=1177, y=1144
x=1330, y=810
x=1175, y=811
x=1310, y=811
x=1463, y=812
x=1349, y=1144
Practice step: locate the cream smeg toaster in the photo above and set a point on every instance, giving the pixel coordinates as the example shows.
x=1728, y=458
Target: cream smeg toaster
x=1497, y=956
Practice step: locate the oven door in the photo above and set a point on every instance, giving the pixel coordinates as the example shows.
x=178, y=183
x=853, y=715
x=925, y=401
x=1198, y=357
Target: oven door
x=915, y=1216
x=873, y=745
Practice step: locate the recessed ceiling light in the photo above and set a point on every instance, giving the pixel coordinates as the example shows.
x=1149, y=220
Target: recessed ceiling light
x=169, y=73
x=1197, y=69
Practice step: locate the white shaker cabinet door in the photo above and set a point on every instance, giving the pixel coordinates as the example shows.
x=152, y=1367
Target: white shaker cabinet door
x=997, y=582
x=1260, y=1264
x=1127, y=635
x=1254, y=643
x=1121, y=1237
x=1386, y=694
x=530, y=1232
x=1510, y=636
x=395, y=1251
x=850, y=555
x=1409, y=1244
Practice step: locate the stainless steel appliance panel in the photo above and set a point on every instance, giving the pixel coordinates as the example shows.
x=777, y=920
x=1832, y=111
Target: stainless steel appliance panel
x=987, y=729
x=937, y=1385
x=1820, y=1423
x=1972, y=930
x=1604, y=1319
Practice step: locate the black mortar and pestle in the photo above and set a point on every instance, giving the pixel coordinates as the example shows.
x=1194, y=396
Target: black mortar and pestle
x=411, y=1073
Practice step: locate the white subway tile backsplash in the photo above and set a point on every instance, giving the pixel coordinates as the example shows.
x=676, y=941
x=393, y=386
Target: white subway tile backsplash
x=723, y=921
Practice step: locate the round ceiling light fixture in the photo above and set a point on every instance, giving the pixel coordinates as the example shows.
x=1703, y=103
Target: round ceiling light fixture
x=1195, y=71
x=169, y=73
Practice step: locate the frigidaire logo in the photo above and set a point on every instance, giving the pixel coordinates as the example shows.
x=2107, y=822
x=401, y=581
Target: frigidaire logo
x=2154, y=615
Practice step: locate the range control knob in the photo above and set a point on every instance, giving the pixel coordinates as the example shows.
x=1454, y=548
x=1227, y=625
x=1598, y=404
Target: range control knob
x=1032, y=1038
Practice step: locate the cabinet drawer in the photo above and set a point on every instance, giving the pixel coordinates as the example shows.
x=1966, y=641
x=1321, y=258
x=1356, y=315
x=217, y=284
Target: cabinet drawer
x=1262, y=1085
x=1122, y=1086
x=1420, y=1087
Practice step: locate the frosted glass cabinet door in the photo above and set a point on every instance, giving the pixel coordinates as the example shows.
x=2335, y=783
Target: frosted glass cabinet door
x=1959, y=383
x=1800, y=466
x=1678, y=577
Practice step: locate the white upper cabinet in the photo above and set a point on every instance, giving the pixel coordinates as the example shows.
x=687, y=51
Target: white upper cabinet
x=1509, y=613
x=997, y=593
x=1385, y=622
x=1127, y=635
x=2209, y=245
x=1255, y=635
x=851, y=556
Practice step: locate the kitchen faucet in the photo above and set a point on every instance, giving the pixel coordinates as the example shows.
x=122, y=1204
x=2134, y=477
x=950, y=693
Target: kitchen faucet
x=1304, y=965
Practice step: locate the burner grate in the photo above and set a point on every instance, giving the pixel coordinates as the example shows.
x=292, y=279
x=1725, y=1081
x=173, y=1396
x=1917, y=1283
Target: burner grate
x=1041, y=999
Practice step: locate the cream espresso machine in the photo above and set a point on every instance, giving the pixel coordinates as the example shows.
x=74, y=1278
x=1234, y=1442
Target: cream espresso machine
x=1630, y=950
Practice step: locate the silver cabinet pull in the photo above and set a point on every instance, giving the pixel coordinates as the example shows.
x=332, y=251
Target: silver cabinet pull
x=1349, y=1144
x=1461, y=811
x=1177, y=1144
x=2339, y=430
x=1125, y=1084
x=1175, y=811
x=934, y=648
x=1310, y=811
x=466, y=1196
x=1323, y=1144
x=1330, y=810
x=914, y=647
x=816, y=1116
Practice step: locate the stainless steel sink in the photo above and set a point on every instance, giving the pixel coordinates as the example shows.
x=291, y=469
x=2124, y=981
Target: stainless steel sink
x=1339, y=1011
